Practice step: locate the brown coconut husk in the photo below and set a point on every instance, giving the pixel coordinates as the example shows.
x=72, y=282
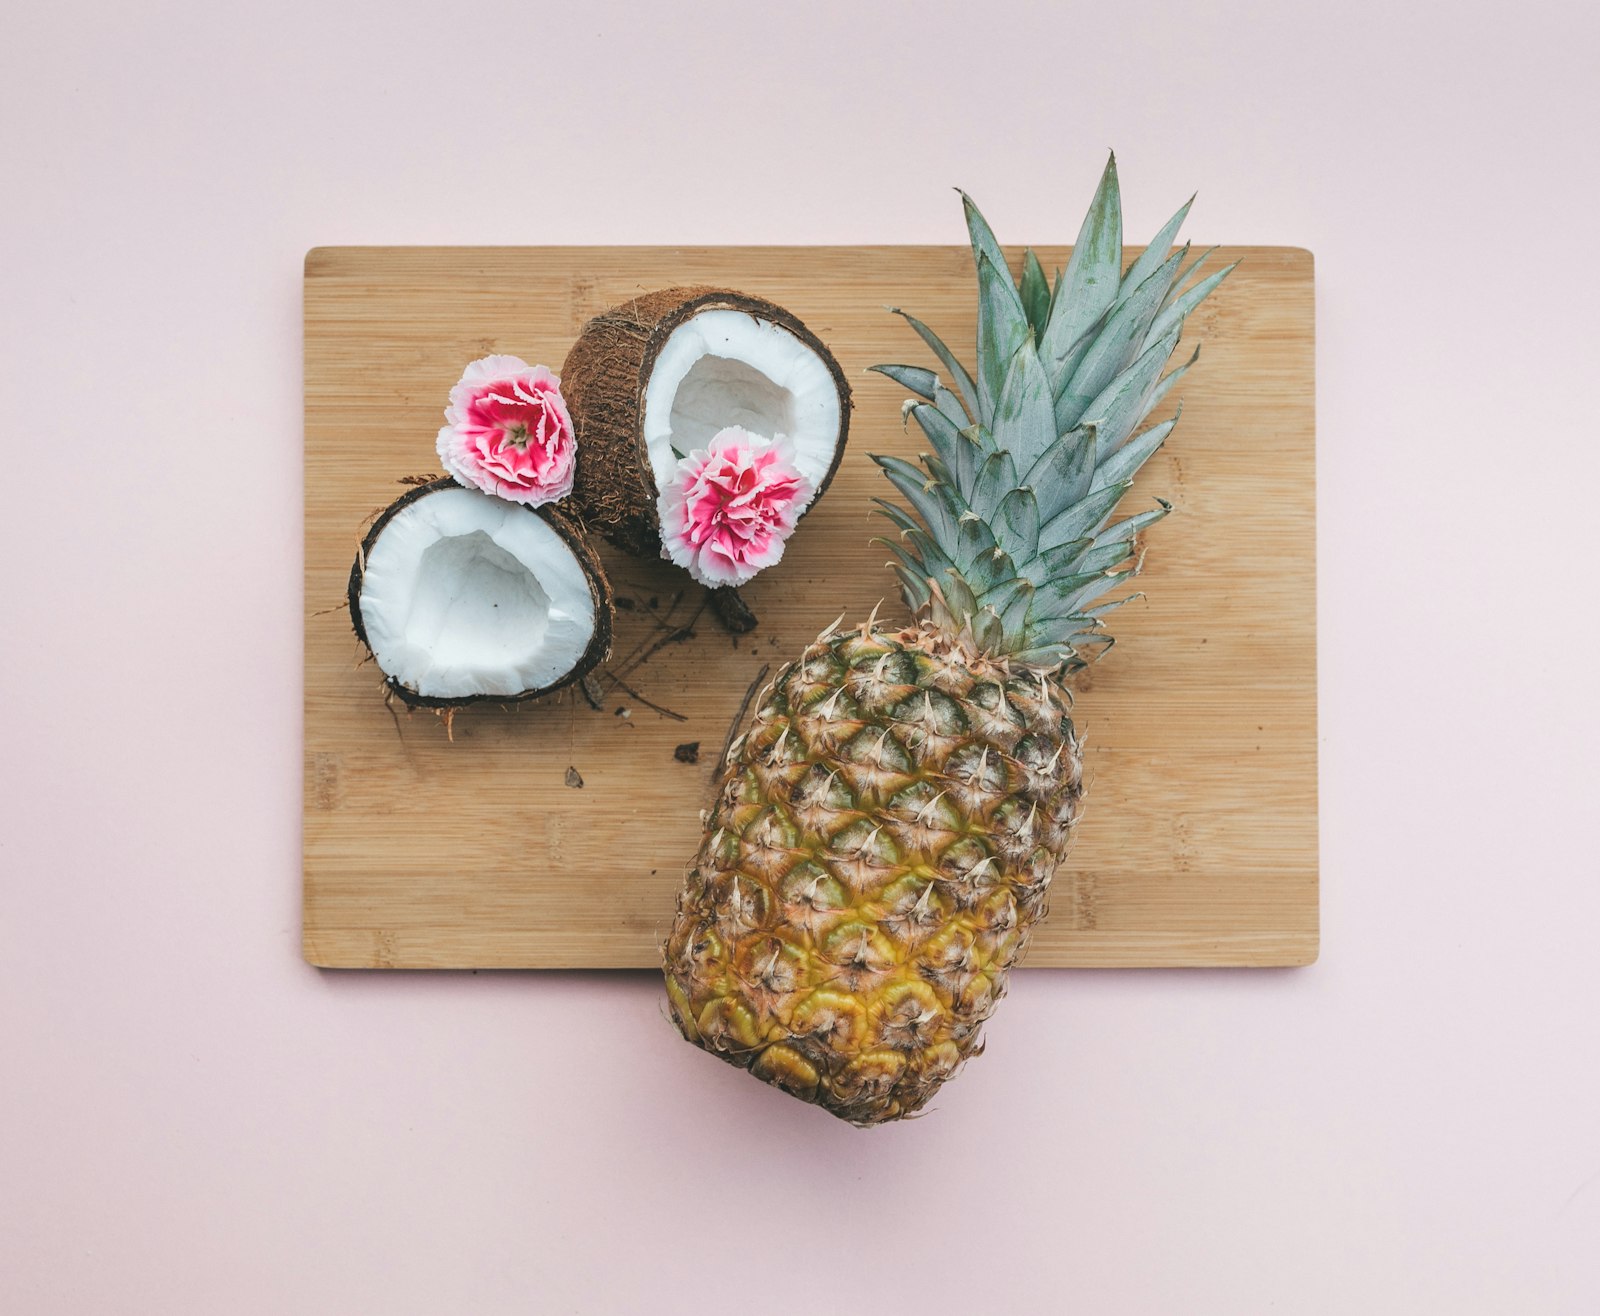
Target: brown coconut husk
x=572, y=535
x=603, y=381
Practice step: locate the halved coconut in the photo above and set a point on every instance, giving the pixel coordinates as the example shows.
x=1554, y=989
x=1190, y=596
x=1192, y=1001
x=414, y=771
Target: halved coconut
x=668, y=371
x=462, y=597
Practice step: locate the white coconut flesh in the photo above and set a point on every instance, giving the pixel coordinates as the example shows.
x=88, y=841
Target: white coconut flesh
x=722, y=368
x=465, y=594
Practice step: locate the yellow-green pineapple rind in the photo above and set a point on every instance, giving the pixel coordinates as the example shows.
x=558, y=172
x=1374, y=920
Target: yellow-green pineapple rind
x=882, y=843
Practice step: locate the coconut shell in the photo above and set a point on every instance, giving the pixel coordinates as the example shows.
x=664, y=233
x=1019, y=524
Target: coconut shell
x=603, y=381
x=571, y=534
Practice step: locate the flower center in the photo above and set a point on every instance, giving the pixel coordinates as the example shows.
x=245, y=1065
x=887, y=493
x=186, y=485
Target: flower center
x=517, y=435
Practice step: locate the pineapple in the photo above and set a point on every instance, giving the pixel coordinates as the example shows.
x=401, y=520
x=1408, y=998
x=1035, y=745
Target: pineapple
x=886, y=831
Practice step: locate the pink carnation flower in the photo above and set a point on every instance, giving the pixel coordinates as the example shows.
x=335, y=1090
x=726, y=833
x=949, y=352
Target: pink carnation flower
x=729, y=507
x=509, y=432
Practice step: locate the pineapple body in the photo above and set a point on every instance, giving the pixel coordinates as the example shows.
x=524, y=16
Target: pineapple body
x=883, y=841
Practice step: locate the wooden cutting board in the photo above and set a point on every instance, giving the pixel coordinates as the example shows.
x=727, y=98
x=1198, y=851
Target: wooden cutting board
x=1199, y=842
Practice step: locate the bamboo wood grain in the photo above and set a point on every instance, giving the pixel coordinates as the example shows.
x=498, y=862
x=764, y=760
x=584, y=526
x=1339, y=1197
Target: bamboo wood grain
x=1199, y=843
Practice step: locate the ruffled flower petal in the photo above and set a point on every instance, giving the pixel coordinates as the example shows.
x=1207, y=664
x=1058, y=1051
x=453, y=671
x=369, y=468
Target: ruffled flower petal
x=508, y=432
x=730, y=507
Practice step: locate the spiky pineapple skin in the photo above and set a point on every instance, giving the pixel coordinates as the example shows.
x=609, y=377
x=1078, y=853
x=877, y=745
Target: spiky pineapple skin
x=882, y=844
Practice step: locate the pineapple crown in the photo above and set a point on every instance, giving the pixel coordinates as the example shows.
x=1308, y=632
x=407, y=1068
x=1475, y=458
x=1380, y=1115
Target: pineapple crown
x=1009, y=537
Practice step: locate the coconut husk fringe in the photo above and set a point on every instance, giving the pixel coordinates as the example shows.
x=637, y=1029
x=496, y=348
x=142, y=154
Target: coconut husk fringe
x=598, y=650
x=603, y=381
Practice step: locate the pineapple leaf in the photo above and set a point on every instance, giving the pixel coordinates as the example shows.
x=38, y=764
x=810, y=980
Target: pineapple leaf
x=1088, y=647
x=1113, y=348
x=1155, y=255
x=1074, y=611
x=930, y=558
x=997, y=476
x=1002, y=327
x=1062, y=370
x=1035, y=290
x=1167, y=381
x=898, y=515
x=1048, y=656
x=1083, y=517
x=914, y=559
x=913, y=589
x=950, y=443
x=1107, y=556
x=984, y=242
x=1017, y=524
x=1128, y=528
x=1184, y=276
x=1125, y=401
x=933, y=558
x=921, y=381
x=1086, y=457
x=1048, y=476
x=929, y=503
x=1126, y=460
x=1009, y=601
x=1062, y=475
x=1109, y=581
x=987, y=568
x=950, y=405
x=947, y=358
x=1105, y=608
x=1054, y=600
x=987, y=630
x=934, y=465
x=1014, y=615
x=906, y=556
x=1177, y=275
x=1180, y=308
x=1024, y=419
x=991, y=569
x=958, y=594
x=975, y=539
x=1063, y=559
x=982, y=441
x=1089, y=286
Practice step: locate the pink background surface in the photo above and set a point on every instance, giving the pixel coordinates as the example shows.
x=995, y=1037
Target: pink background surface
x=194, y=1121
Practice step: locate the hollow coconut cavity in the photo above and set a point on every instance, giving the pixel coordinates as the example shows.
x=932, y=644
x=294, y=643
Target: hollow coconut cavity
x=462, y=597
x=661, y=375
